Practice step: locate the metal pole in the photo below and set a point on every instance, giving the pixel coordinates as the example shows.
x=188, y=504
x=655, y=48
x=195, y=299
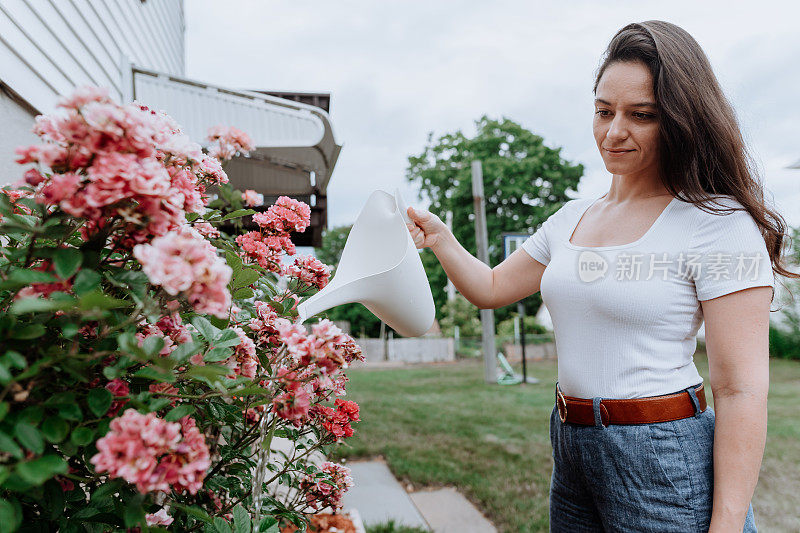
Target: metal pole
x=521, y=309
x=482, y=241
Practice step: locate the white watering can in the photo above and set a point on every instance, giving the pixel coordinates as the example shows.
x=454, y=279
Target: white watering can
x=380, y=268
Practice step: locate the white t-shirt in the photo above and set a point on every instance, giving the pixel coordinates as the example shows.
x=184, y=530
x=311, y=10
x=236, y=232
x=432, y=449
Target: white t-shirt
x=625, y=318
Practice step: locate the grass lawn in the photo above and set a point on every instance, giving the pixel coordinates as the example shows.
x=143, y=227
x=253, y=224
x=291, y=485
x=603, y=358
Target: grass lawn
x=440, y=425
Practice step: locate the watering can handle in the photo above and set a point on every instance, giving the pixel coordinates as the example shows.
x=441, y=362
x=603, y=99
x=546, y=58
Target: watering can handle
x=401, y=206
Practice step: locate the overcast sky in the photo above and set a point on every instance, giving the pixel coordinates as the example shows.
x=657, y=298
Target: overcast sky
x=397, y=70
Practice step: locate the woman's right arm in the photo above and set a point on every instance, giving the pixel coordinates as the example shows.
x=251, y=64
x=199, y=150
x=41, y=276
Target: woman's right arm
x=487, y=288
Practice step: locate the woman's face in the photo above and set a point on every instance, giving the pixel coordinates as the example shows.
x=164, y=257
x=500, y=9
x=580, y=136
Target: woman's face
x=626, y=118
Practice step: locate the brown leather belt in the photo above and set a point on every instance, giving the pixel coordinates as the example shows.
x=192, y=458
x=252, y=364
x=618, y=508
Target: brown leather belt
x=629, y=411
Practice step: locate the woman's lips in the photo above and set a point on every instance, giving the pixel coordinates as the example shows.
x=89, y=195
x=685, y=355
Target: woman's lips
x=618, y=152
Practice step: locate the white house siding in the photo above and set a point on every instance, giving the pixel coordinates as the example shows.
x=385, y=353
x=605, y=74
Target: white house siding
x=48, y=47
x=15, y=130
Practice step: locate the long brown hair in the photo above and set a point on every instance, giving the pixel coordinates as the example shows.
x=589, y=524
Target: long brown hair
x=702, y=152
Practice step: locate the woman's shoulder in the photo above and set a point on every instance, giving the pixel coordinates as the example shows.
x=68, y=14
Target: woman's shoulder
x=715, y=210
x=723, y=219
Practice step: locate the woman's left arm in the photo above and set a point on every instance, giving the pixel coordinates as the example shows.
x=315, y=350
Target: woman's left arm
x=737, y=343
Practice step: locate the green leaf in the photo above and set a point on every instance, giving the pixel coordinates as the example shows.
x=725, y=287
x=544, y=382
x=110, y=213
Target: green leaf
x=179, y=412
x=15, y=359
x=217, y=354
x=221, y=525
x=81, y=436
x=269, y=525
x=156, y=404
x=184, y=351
x=107, y=489
x=234, y=261
x=8, y=516
x=196, y=512
x=37, y=305
x=8, y=445
x=239, y=213
x=4, y=407
x=134, y=512
x=99, y=400
x=246, y=277
x=26, y=277
x=97, y=300
x=208, y=373
x=40, y=470
x=241, y=520
x=149, y=372
x=152, y=345
x=130, y=344
x=32, y=414
x=244, y=293
x=31, y=331
x=205, y=328
x=29, y=437
x=86, y=281
x=69, y=330
x=228, y=337
x=70, y=411
x=55, y=428
x=67, y=261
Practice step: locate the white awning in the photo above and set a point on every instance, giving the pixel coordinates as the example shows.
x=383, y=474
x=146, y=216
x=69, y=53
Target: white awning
x=296, y=149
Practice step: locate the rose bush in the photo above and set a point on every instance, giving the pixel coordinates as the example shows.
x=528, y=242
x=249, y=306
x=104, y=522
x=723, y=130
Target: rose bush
x=144, y=350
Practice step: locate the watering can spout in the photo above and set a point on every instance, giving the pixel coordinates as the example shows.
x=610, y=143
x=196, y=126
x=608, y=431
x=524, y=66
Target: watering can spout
x=329, y=297
x=381, y=269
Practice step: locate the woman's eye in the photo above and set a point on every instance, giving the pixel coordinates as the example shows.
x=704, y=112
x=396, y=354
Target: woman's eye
x=600, y=112
x=643, y=116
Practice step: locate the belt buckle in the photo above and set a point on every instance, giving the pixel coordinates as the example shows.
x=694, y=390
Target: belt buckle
x=561, y=404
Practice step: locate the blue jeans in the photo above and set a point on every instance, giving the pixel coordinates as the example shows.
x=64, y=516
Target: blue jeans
x=656, y=477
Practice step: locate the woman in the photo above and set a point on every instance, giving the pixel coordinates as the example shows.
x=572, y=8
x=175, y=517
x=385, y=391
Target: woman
x=628, y=279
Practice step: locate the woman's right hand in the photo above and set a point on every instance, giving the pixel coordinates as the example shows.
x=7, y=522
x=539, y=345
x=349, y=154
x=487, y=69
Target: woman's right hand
x=427, y=229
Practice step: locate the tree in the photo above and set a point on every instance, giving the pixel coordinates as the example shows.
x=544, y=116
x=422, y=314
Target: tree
x=459, y=312
x=525, y=182
x=360, y=318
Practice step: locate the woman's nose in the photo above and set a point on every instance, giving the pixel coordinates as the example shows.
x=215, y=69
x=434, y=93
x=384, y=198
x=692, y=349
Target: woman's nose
x=618, y=128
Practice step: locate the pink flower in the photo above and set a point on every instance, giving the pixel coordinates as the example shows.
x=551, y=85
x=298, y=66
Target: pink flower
x=84, y=95
x=167, y=389
x=263, y=325
x=114, y=163
x=310, y=271
x=184, y=262
x=286, y=215
x=206, y=230
x=159, y=518
x=243, y=361
x=262, y=251
x=154, y=454
x=327, y=488
x=229, y=141
x=252, y=199
x=118, y=388
x=337, y=421
x=327, y=348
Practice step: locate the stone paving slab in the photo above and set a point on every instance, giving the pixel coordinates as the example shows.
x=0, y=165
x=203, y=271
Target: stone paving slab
x=448, y=511
x=379, y=497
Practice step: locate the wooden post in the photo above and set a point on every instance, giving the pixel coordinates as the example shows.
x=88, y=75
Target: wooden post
x=482, y=241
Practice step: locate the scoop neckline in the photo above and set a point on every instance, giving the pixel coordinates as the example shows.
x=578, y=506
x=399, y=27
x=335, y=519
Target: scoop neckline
x=649, y=231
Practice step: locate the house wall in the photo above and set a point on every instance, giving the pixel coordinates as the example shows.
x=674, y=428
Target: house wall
x=48, y=47
x=16, y=119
